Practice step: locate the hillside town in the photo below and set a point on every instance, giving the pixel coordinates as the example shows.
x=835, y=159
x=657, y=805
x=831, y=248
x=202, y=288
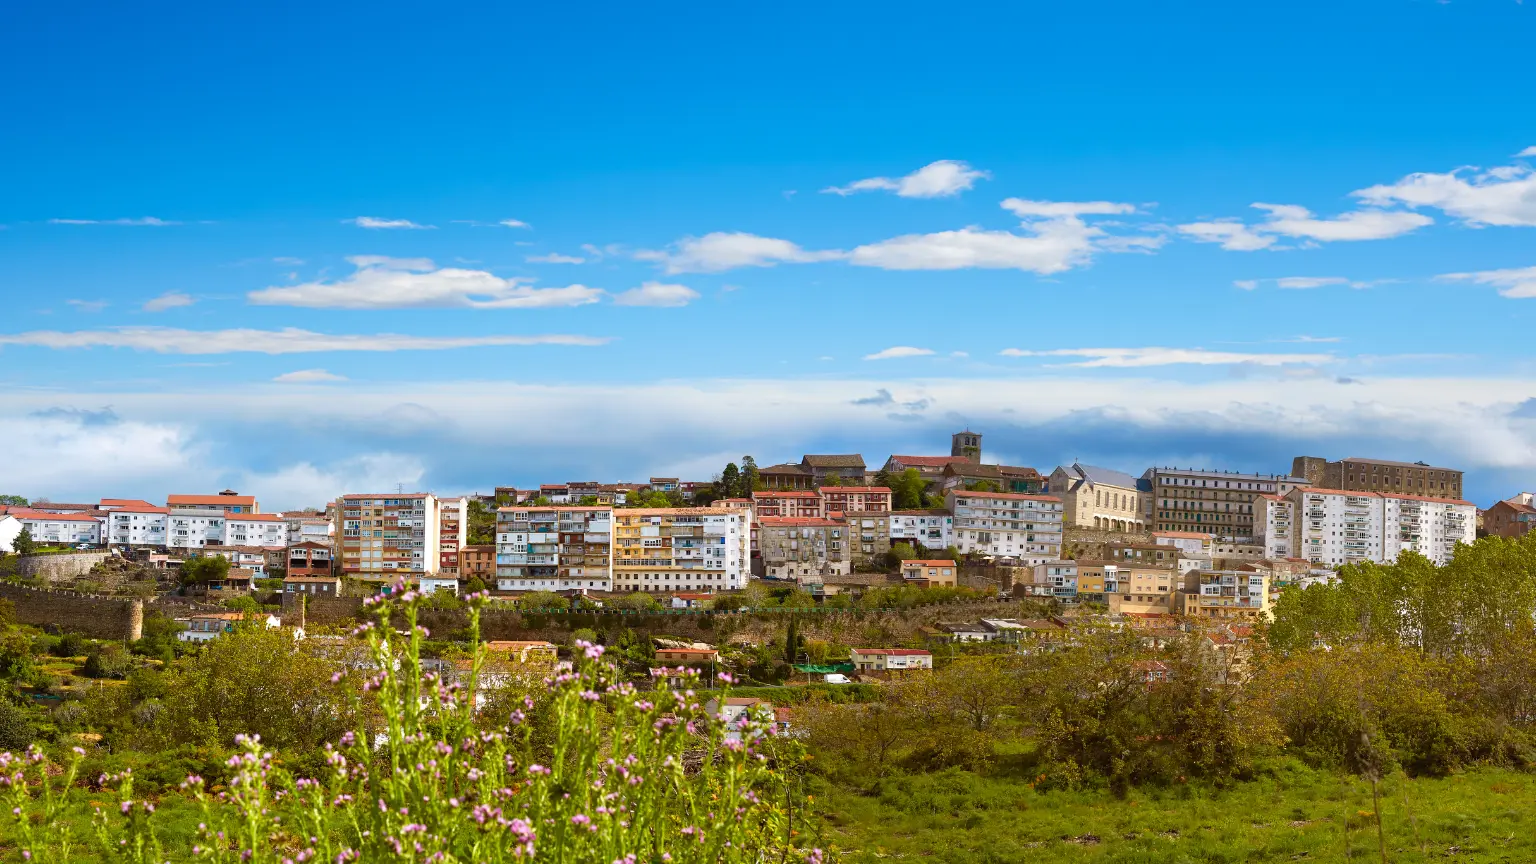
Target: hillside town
x=1201, y=543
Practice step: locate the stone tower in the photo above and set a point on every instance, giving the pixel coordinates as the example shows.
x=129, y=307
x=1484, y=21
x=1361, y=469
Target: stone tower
x=966, y=445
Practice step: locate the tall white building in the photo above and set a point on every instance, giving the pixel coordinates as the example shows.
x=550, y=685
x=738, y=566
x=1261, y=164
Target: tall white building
x=680, y=549
x=1333, y=527
x=931, y=529
x=554, y=548
x=59, y=528
x=194, y=529
x=1007, y=524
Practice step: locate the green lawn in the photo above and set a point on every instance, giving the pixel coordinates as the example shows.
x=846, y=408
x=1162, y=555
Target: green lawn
x=1298, y=815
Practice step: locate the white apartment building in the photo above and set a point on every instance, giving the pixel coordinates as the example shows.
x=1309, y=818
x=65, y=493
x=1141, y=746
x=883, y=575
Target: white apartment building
x=10, y=529
x=554, y=548
x=1007, y=524
x=929, y=529
x=137, y=525
x=1332, y=527
x=309, y=529
x=255, y=529
x=388, y=536
x=680, y=549
x=1056, y=579
x=194, y=529
x=59, y=528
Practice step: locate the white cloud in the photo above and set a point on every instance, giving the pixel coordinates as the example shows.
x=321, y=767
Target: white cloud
x=1294, y=221
x=1232, y=235
x=88, y=305
x=1247, y=284
x=1499, y=196
x=1304, y=282
x=1127, y=358
x=406, y=283
x=514, y=223
x=898, y=352
x=1290, y=220
x=1527, y=152
x=1516, y=282
x=289, y=340
x=722, y=250
x=168, y=300
x=288, y=260
x=148, y=221
x=305, y=484
x=554, y=258
x=657, y=294
x=308, y=376
x=1024, y=208
x=1050, y=246
x=376, y=222
x=935, y=180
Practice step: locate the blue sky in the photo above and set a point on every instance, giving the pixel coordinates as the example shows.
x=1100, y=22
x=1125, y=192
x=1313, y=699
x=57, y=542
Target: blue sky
x=559, y=241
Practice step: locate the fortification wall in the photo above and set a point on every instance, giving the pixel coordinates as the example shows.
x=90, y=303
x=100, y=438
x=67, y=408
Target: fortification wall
x=60, y=566
x=94, y=615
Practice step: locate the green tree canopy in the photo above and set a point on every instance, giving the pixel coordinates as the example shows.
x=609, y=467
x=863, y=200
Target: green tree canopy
x=204, y=568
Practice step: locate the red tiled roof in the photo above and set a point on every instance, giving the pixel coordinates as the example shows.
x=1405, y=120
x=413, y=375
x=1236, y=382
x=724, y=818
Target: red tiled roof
x=928, y=461
x=894, y=652
x=214, y=500
x=124, y=502
x=785, y=493
x=862, y=490
x=254, y=517
x=40, y=516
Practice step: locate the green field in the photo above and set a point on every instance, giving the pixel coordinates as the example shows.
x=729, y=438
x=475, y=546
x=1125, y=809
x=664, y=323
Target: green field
x=1296, y=815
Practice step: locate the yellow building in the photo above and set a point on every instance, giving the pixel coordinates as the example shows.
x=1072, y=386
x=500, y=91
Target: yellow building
x=1224, y=594
x=665, y=549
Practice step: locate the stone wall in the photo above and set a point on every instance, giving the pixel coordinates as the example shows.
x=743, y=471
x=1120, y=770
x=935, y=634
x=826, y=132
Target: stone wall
x=94, y=615
x=60, y=566
x=1088, y=544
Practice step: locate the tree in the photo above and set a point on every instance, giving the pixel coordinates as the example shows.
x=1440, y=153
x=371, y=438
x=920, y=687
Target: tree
x=907, y=489
x=832, y=480
x=983, y=486
x=475, y=585
x=588, y=501
x=13, y=500
x=792, y=642
x=482, y=523
x=751, y=479
x=901, y=551
x=24, y=544
x=729, y=484
x=204, y=568
x=542, y=600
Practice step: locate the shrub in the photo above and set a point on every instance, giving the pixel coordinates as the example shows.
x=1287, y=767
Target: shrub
x=70, y=645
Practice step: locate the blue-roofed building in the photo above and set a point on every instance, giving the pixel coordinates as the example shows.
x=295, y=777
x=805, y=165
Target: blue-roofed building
x=1100, y=498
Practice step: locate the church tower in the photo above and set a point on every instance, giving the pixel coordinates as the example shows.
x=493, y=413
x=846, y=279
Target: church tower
x=966, y=445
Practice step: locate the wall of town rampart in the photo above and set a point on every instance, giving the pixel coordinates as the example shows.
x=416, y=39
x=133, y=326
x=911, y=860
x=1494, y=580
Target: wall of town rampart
x=94, y=615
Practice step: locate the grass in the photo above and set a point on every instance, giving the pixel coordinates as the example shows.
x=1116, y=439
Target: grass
x=1295, y=815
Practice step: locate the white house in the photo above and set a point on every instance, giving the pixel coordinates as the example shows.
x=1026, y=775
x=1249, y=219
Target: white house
x=255, y=529
x=433, y=582
x=1007, y=524
x=890, y=659
x=932, y=529
x=205, y=628
x=10, y=529
x=309, y=529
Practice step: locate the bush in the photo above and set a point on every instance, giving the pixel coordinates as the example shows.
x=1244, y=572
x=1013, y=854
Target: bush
x=107, y=661
x=16, y=729
x=70, y=645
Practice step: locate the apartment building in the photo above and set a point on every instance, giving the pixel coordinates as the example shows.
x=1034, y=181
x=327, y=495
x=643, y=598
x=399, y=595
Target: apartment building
x=554, y=548
x=1512, y=517
x=869, y=534
x=1191, y=544
x=1099, y=498
x=1140, y=590
x=1334, y=527
x=194, y=528
x=452, y=534
x=1224, y=594
x=136, y=523
x=927, y=529
x=1223, y=503
x=1007, y=524
x=793, y=503
x=679, y=549
x=804, y=550
x=309, y=527
x=855, y=499
x=67, y=529
x=1359, y=474
x=228, y=501
x=890, y=659
x=386, y=537
x=255, y=529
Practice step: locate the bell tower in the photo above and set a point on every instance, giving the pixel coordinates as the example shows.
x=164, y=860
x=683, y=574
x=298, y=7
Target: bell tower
x=966, y=445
